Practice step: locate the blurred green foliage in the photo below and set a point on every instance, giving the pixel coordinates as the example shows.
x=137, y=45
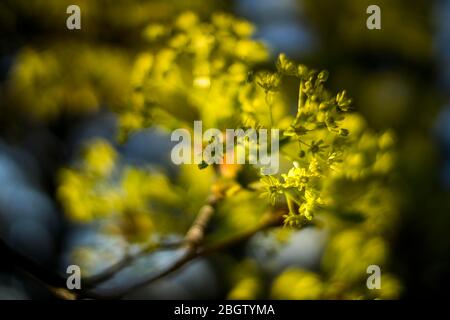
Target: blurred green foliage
x=212, y=72
x=194, y=71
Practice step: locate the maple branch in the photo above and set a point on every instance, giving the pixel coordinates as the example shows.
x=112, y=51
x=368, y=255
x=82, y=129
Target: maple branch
x=192, y=243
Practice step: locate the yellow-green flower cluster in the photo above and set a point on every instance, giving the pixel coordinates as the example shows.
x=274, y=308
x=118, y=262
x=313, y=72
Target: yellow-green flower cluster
x=325, y=142
x=78, y=191
x=99, y=187
x=196, y=70
x=68, y=79
x=297, y=284
x=315, y=140
x=246, y=281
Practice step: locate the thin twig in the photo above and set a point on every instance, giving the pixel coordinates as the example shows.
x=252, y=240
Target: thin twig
x=272, y=221
x=127, y=260
x=192, y=240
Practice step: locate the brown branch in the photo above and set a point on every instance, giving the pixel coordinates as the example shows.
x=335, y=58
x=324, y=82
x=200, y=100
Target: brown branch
x=109, y=272
x=196, y=232
x=193, y=238
x=192, y=243
x=271, y=220
x=56, y=283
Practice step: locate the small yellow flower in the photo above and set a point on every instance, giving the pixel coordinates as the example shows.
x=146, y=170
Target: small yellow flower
x=273, y=188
